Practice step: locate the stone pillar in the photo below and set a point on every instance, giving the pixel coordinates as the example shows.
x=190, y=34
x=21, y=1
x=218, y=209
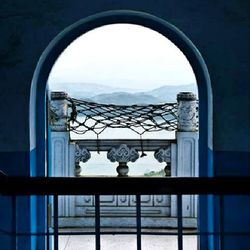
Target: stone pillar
x=62, y=152
x=187, y=149
x=187, y=116
x=122, y=154
x=58, y=111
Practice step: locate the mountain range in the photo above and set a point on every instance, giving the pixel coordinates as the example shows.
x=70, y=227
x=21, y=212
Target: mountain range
x=122, y=96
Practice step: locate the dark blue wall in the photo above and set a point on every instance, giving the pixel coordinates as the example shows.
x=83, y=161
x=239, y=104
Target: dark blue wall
x=218, y=28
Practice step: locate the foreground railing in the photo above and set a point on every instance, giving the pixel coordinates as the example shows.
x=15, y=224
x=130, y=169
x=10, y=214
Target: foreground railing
x=16, y=186
x=117, y=186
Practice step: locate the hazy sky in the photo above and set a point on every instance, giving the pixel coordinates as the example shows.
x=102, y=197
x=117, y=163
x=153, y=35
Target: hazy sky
x=123, y=55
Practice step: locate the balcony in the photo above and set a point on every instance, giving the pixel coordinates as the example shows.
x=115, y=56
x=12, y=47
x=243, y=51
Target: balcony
x=164, y=157
x=90, y=208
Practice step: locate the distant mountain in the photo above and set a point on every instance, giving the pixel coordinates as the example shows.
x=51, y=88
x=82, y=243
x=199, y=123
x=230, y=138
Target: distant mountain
x=80, y=89
x=121, y=96
x=169, y=93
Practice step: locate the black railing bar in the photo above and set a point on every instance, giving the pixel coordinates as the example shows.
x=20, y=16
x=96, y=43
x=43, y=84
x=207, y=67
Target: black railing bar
x=49, y=218
x=97, y=223
x=138, y=221
x=129, y=233
x=121, y=186
x=179, y=222
x=55, y=209
x=221, y=225
x=14, y=216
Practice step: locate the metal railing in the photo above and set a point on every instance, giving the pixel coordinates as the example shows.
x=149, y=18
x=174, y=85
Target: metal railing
x=55, y=186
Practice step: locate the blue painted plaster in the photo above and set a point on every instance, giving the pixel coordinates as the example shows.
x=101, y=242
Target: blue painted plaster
x=232, y=163
x=232, y=212
x=7, y=223
x=29, y=211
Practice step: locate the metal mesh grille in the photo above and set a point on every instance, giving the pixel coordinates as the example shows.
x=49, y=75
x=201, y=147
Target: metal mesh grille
x=85, y=116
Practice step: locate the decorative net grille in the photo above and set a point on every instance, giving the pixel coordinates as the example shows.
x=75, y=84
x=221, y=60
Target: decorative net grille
x=89, y=116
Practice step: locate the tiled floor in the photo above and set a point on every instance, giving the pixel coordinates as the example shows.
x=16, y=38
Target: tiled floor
x=125, y=242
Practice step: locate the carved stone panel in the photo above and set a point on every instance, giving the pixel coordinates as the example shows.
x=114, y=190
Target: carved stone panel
x=123, y=200
x=81, y=155
x=58, y=109
x=123, y=153
x=108, y=200
x=162, y=200
x=146, y=200
x=124, y=205
x=187, y=119
x=58, y=157
x=163, y=154
x=187, y=166
x=86, y=200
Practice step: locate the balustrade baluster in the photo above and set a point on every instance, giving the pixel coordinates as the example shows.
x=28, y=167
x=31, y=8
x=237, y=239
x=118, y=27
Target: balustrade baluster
x=164, y=155
x=122, y=154
x=55, y=201
x=179, y=222
x=82, y=154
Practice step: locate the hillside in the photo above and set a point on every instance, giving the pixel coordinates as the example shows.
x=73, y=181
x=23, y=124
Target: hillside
x=121, y=96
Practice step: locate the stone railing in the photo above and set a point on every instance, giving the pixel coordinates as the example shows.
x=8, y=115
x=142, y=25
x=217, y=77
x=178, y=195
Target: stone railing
x=124, y=151
x=180, y=154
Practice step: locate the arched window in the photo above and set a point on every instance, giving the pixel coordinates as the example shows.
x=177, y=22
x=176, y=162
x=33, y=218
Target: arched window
x=115, y=66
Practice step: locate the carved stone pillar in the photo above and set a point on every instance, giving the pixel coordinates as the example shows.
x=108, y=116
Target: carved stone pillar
x=122, y=154
x=187, y=138
x=58, y=111
x=81, y=155
x=164, y=155
x=187, y=120
x=62, y=151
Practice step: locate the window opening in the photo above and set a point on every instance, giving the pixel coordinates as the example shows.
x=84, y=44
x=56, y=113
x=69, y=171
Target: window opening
x=87, y=114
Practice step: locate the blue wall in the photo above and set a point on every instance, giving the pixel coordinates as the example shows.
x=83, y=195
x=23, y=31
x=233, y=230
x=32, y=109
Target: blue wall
x=219, y=29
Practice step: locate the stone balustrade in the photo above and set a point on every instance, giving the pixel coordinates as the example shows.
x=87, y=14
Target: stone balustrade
x=180, y=154
x=123, y=154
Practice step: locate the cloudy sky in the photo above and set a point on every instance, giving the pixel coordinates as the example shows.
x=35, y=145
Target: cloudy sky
x=124, y=56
